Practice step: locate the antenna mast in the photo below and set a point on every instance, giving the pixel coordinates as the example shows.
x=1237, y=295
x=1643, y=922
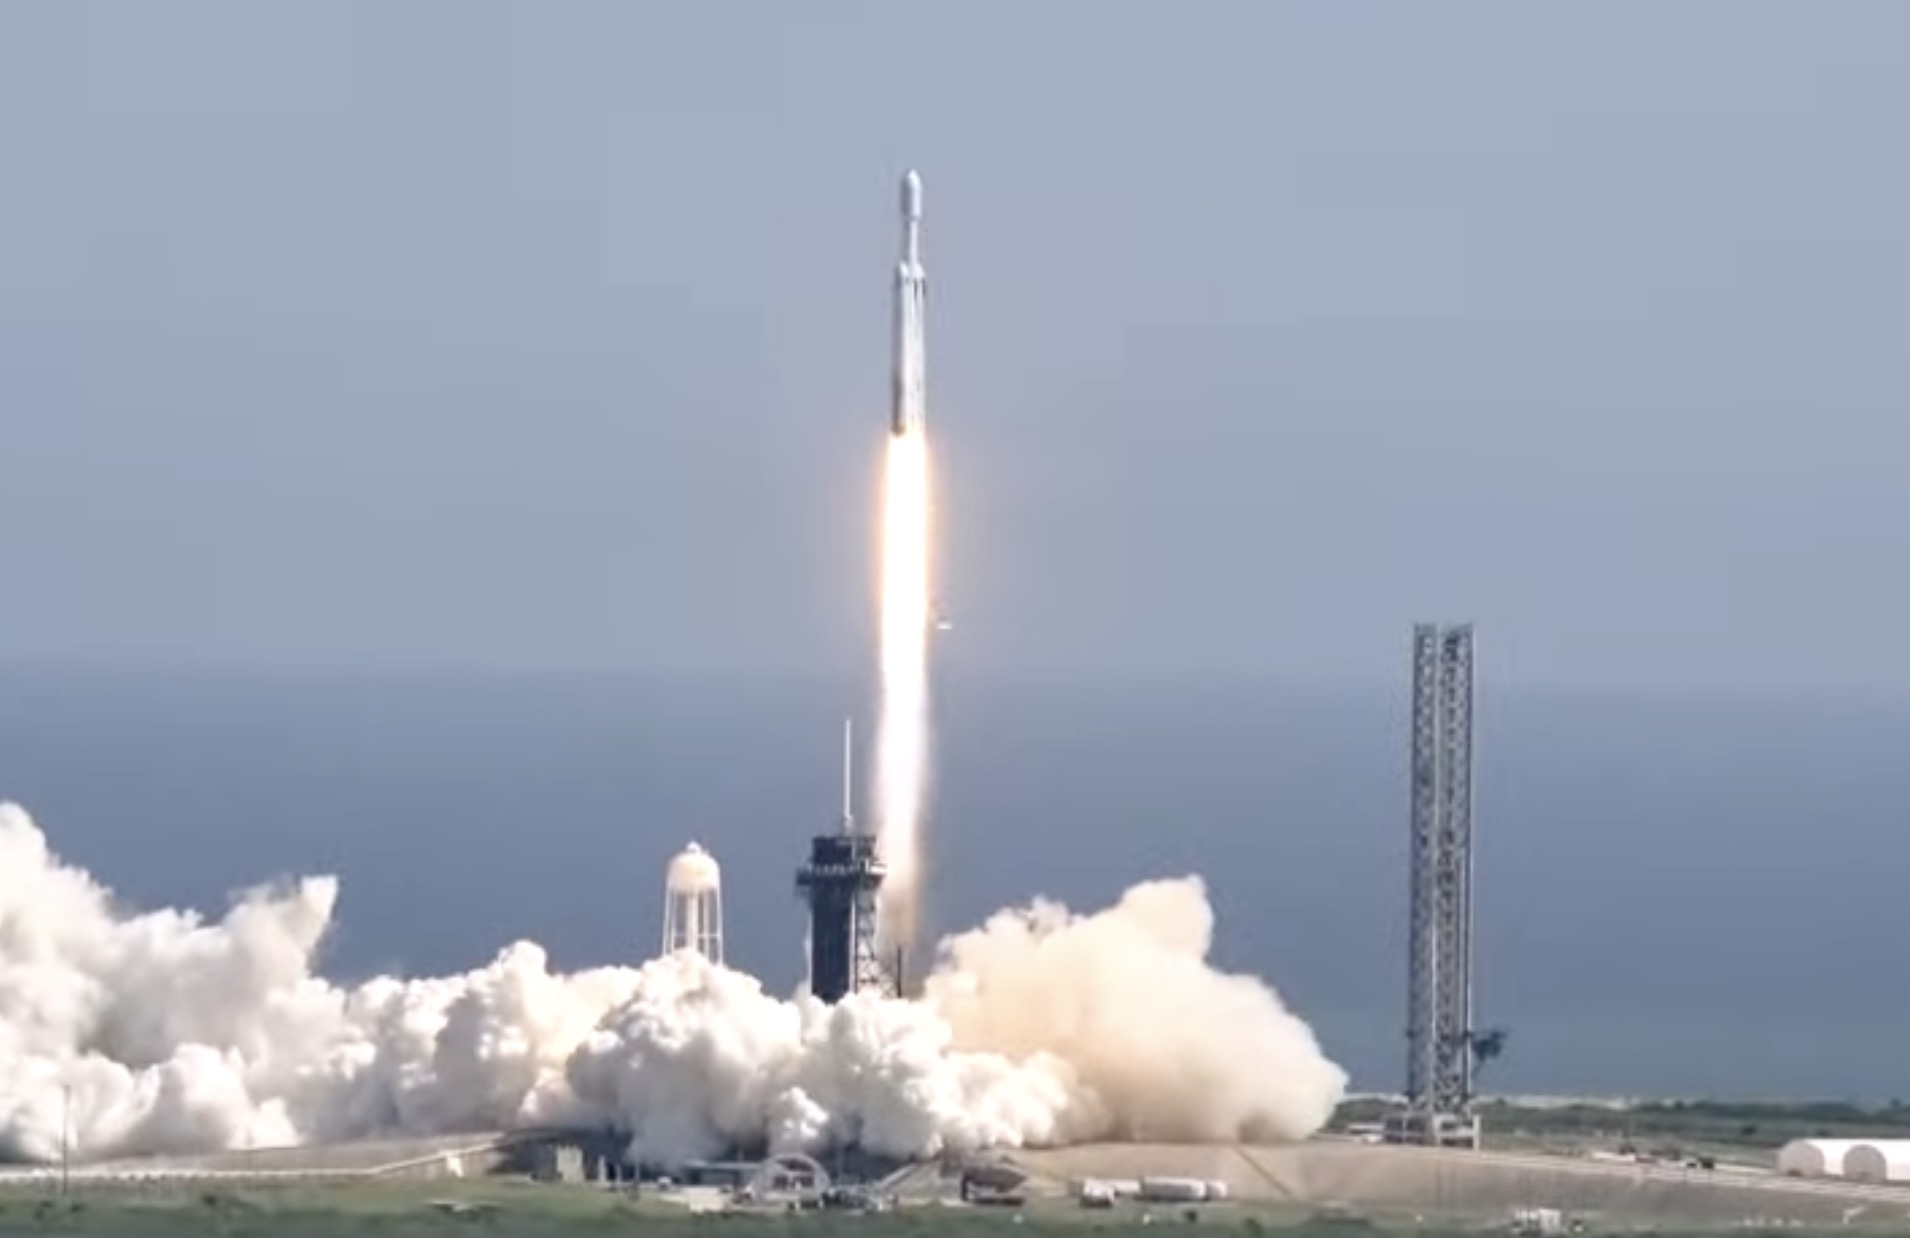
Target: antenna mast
x=848, y=775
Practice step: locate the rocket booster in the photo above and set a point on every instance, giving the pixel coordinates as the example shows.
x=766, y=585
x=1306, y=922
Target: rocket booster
x=909, y=411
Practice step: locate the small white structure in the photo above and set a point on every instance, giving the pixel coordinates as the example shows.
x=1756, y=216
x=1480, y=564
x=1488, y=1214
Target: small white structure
x=1112, y=1188
x=1878, y=1160
x=1174, y=1190
x=1814, y=1158
x=1538, y=1222
x=693, y=904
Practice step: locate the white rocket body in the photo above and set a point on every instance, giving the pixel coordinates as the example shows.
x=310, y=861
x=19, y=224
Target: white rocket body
x=909, y=411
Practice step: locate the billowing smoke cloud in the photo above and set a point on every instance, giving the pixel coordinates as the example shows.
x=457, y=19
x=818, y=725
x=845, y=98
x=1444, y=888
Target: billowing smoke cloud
x=159, y=1032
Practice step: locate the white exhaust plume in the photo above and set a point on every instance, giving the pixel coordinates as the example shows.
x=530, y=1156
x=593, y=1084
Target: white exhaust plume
x=158, y=1032
x=902, y=735
x=902, y=728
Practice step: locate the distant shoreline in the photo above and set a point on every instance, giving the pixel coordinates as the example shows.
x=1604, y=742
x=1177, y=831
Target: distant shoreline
x=1664, y=1126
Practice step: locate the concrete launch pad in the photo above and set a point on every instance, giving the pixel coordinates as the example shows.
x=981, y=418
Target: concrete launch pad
x=1403, y=1181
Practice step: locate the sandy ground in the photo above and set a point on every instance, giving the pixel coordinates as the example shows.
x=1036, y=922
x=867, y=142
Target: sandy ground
x=1381, y=1179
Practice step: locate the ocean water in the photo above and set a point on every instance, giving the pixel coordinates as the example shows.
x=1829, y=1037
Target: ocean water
x=1677, y=895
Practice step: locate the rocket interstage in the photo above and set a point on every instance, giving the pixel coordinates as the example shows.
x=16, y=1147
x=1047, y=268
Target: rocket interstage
x=903, y=732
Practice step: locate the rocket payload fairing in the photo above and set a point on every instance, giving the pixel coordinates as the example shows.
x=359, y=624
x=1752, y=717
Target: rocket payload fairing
x=909, y=411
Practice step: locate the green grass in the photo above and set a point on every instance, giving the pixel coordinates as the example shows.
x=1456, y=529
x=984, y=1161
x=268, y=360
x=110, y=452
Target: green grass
x=407, y=1210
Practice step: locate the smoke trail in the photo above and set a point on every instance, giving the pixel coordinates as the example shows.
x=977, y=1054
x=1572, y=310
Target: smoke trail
x=171, y=1034
x=902, y=737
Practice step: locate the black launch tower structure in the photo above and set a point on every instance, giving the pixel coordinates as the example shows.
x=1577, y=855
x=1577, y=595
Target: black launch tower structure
x=841, y=881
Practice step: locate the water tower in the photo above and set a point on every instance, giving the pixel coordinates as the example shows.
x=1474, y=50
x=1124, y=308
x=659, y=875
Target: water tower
x=693, y=904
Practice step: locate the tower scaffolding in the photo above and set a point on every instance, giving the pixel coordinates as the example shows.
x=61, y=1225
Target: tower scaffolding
x=1440, y=1038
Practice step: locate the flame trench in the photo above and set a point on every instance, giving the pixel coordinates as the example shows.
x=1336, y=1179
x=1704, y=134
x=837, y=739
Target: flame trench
x=902, y=737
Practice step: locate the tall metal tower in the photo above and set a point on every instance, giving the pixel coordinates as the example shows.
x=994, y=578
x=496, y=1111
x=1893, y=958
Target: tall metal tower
x=841, y=881
x=1439, y=1031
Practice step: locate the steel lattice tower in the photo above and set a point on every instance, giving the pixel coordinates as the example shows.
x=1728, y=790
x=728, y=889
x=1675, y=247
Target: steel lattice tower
x=1439, y=1032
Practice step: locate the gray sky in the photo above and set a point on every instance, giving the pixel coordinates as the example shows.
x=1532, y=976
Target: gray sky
x=371, y=335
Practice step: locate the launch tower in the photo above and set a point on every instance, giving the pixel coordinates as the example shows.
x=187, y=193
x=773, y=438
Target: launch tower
x=840, y=881
x=1440, y=1040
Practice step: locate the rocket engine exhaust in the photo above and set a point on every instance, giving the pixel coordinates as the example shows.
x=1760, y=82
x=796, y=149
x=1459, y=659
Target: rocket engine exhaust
x=902, y=740
x=903, y=727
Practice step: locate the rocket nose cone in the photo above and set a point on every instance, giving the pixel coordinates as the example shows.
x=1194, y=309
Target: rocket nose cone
x=912, y=194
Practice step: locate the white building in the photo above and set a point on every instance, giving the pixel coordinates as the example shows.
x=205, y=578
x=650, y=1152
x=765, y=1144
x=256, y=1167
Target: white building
x=1878, y=1160
x=1814, y=1158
